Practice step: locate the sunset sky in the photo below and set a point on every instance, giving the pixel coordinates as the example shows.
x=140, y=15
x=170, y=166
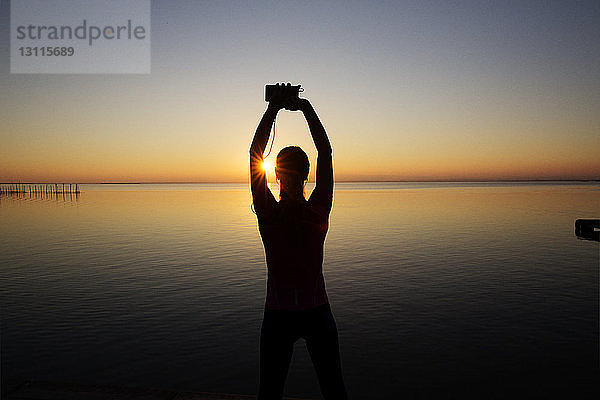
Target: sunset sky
x=406, y=90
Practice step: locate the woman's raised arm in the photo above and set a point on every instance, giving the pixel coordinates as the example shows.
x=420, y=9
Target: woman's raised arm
x=324, y=186
x=261, y=195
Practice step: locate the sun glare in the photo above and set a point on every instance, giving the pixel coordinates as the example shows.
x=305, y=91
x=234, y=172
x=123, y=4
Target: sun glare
x=266, y=165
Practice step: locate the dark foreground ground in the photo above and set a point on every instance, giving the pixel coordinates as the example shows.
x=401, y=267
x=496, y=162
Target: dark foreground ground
x=514, y=388
x=37, y=390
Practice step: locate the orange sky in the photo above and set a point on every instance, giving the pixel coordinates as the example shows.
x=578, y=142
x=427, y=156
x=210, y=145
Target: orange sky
x=402, y=98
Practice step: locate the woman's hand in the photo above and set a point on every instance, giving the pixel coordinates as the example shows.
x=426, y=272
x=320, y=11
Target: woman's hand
x=275, y=105
x=297, y=104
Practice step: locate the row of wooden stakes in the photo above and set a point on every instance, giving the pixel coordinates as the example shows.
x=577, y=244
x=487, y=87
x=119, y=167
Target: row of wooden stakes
x=35, y=188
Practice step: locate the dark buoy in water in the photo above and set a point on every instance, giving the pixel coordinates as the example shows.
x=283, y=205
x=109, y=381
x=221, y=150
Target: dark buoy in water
x=588, y=229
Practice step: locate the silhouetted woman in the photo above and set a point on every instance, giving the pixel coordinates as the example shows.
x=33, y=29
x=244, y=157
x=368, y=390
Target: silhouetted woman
x=293, y=232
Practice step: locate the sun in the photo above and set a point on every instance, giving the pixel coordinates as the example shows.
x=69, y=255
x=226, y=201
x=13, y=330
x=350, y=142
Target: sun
x=266, y=166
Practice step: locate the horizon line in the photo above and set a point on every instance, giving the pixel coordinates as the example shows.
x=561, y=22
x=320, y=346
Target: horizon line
x=337, y=181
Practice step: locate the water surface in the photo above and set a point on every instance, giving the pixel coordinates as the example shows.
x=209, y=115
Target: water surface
x=435, y=286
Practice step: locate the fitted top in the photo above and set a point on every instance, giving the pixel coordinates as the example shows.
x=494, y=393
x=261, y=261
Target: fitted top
x=293, y=234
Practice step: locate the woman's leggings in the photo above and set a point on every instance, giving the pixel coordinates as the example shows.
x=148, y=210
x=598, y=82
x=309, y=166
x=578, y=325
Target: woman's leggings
x=280, y=330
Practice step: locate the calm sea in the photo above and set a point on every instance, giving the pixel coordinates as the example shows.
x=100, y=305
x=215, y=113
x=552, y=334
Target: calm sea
x=436, y=287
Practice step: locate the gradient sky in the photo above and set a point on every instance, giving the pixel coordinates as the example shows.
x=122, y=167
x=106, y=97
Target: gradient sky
x=406, y=90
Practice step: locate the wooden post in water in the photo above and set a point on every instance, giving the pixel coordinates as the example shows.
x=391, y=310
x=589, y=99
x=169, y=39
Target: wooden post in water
x=41, y=189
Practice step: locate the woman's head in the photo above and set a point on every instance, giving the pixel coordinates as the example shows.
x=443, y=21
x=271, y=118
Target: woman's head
x=292, y=171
